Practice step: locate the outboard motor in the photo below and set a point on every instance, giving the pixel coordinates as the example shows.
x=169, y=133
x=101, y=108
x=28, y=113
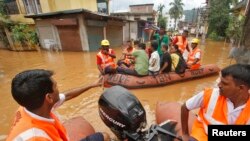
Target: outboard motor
x=123, y=113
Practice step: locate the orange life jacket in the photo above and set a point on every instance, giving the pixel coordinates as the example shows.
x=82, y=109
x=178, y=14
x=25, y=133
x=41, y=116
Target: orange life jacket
x=127, y=59
x=106, y=59
x=191, y=58
x=214, y=111
x=26, y=127
x=181, y=44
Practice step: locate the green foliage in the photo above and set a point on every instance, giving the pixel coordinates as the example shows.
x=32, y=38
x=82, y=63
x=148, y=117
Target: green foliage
x=3, y=8
x=215, y=36
x=218, y=18
x=4, y=18
x=176, y=11
x=235, y=28
x=162, y=22
x=33, y=37
x=3, y=38
x=22, y=34
x=160, y=9
x=5, y=22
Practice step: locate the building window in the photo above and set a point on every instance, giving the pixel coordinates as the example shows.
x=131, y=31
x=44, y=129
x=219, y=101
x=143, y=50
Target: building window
x=32, y=6
x=150, y=19
x=11, y=7
x=102, y=7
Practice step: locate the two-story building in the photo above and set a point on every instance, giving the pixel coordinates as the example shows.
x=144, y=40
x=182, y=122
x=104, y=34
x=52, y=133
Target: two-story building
x=68, y=25
x=138, y=16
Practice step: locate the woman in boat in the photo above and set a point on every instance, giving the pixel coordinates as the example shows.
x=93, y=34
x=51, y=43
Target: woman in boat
x=178, y=63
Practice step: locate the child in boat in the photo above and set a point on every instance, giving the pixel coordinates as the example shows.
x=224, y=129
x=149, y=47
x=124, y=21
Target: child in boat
x=166, y=62
x=141, y=62
x=154, y=61
x=125, y=58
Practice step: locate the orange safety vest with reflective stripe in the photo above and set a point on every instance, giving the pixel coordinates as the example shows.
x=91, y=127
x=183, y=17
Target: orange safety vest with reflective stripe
x=214, y=111
x=106, y=59
x=191, y=58
x=127, y=60
x=181, y=44
x=28, y=128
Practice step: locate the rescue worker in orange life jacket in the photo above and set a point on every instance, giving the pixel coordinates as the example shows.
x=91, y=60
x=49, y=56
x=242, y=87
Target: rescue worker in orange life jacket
x=37, y=94
x=227, y=104
x=194, y=56
x=181, y=41
x=105, y=59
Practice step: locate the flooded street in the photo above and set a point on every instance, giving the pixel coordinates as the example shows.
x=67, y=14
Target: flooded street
x=73, y=69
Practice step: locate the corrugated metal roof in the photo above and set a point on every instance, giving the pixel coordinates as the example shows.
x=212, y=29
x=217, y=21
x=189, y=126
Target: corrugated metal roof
x=141, y=4
x=74, y=11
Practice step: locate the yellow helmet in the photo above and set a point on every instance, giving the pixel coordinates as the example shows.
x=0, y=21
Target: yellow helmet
x=105, y=43
x=195, y=40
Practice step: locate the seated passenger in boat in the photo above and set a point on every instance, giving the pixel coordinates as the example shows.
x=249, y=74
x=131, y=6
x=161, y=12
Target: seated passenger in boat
x=105, y=59
x=166, y=62
x=194, y=56
x=125, y=58
x=141, y=62
x=178, y=63
x=154, y=61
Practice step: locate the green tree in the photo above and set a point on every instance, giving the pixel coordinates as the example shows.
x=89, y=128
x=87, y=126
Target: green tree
x=161, y=19
x=235, y=28
x=5, y=23
x=176, y=11
x=218, y=18
x=242, y=56
x=160, y=9
x=4, y=18
x=24, y=35
x=162, y=22
x=239, y=30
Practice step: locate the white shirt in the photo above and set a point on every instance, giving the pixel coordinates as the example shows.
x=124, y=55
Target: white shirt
x=156, y=67
x=57, y=104
x=197, y=101
x=197, y=55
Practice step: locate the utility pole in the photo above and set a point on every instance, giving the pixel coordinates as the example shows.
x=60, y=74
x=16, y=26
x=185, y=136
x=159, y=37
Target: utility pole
x=107, y=3
x=198, y=22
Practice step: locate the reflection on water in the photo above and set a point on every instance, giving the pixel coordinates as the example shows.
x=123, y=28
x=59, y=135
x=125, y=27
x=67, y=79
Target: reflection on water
x=78, y=68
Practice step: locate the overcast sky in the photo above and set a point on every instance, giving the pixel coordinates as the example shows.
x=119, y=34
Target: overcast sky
x=123, y=5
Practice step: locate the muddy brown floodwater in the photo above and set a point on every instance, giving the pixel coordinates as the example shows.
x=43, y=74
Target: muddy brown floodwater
x=79, y=68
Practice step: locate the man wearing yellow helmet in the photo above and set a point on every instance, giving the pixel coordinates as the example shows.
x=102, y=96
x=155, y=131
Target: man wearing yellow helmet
x=194, y=56
x=105, y=59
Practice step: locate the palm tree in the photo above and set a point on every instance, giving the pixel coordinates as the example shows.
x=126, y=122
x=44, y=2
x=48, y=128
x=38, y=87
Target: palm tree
x=160, y=9
x=176, y=11
x=161, y=19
